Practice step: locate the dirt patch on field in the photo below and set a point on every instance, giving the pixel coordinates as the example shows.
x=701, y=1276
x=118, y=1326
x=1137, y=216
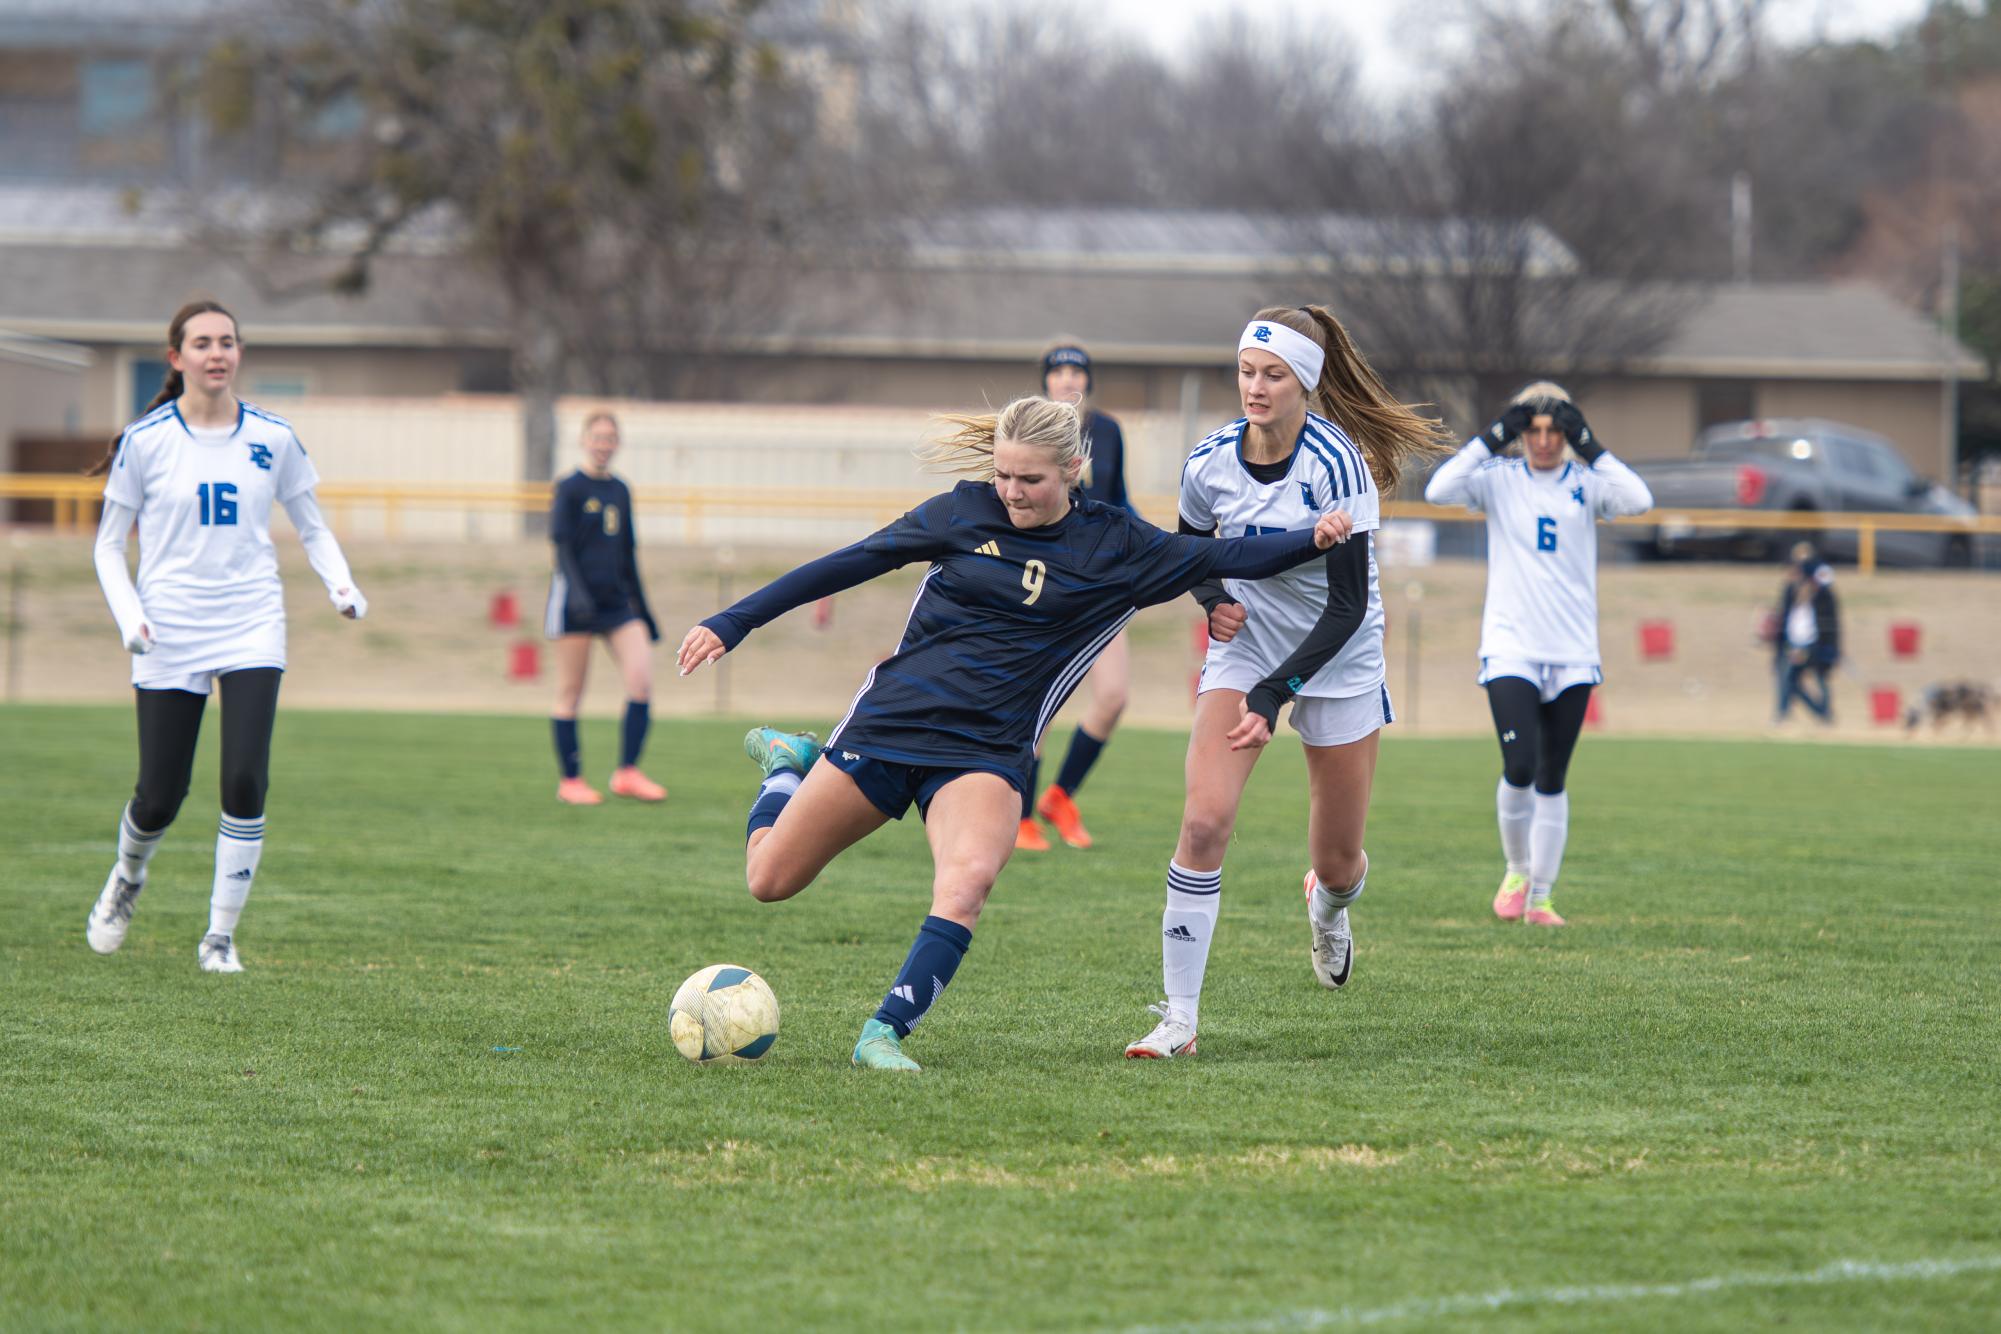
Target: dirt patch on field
x=429, y=644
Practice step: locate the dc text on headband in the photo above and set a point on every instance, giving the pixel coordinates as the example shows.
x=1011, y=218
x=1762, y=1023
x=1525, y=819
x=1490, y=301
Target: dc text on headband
x=1295, y=349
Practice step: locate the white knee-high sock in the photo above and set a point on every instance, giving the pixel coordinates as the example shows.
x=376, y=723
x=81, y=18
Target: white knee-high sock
x=1546, y=839
x=238, y=845
x=135, y=847
x=1326, y=904
x=1186, y=928
x=1515, y=806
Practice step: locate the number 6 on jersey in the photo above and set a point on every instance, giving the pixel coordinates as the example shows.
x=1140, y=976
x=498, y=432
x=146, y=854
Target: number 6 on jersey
x=1031, y=579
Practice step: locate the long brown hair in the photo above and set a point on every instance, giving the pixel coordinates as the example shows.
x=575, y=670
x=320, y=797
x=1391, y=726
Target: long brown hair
x=1391, y=434
x=171, y=385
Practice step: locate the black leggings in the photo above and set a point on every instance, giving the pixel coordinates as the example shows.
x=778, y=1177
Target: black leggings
x=169, y=726
x=1536, y=738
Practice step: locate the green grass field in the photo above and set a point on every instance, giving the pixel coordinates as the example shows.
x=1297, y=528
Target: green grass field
x=1753, y=1082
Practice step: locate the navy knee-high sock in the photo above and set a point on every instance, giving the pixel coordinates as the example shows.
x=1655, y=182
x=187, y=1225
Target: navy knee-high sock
x=934, y=957
x=632, y=738
x=566, y=746
x=772, y=794
x=1083, y=753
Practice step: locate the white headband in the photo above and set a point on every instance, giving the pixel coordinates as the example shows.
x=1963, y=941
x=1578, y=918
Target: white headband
x=1295, y=349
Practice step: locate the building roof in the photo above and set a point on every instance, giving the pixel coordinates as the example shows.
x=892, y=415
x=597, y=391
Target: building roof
x=1173, y=289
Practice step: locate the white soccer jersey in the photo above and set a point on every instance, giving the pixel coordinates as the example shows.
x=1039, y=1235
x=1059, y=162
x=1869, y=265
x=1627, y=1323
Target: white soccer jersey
x=1219, y=493
x=208, y=574
x=1542, y=547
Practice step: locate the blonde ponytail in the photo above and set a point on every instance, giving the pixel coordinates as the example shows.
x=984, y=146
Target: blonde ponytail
x=968, y=447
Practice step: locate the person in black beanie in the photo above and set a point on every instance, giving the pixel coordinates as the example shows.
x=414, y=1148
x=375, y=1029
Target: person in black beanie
x=1067, y=378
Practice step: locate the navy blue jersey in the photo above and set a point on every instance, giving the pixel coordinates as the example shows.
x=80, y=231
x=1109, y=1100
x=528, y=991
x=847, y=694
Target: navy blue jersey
x=591, y=520
x=1105, y=474
x=1006, y=621
x=596, y=585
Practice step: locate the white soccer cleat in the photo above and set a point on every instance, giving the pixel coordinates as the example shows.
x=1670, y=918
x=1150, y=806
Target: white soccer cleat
x=112, y=913
x=217, y=954
x=1171, y=1037
x=1333, y=946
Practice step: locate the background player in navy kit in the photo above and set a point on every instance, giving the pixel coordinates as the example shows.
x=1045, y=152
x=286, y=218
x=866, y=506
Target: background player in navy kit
x=1539, y=630
x=1027, y=585
x=595, y=592
x=199, y=471
x=1066, y=378
x=1319, y=429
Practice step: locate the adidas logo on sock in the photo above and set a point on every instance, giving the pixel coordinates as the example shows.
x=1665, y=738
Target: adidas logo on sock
x=904, y=994
x=1179, y=932
x=244, y=874
x=987, y=549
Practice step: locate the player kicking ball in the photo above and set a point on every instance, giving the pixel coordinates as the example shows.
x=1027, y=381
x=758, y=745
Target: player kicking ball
x=1539, y=630
x=1026, y=585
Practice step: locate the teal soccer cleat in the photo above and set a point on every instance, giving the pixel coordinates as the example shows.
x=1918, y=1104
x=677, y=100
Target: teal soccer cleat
x=773, y=750
x=880, y=1049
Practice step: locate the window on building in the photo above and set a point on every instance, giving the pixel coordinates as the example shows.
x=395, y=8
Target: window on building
x=147, y=375
x=114, y=97
x=1725, y=401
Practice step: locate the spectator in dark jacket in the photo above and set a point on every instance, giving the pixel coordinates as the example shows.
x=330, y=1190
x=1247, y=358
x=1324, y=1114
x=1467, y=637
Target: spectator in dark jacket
x=1808, y=640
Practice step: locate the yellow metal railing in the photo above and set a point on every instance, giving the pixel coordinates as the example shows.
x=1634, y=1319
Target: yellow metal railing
x=75, y=501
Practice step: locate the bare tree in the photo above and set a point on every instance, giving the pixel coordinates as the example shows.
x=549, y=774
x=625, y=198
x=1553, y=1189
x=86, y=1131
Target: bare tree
x=623, y=171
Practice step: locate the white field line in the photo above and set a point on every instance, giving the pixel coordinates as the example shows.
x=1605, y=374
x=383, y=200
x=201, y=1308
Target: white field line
x=1433, y=1308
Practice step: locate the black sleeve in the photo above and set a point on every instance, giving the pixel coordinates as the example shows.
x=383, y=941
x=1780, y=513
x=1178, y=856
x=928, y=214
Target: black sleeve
x=563, y=530
x=1115, y=485
x=1210, y=592
x=918, y=535
x=1166, y=565
x=1347, y=605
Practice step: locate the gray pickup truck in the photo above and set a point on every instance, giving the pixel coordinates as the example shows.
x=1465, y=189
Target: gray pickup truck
x=1802, y=465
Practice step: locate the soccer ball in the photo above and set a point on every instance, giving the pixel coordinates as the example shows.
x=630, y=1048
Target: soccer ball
x=724, y=1015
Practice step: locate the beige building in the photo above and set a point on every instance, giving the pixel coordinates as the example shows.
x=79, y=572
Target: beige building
x=1158, y=298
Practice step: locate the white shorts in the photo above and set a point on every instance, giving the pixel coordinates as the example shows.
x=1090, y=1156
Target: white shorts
x=1549, y=678
x=1326, y=721
x=199, y=683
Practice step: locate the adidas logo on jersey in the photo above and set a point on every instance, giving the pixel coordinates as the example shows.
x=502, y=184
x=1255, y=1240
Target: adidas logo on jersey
x=987, y=549
x=1180, y=933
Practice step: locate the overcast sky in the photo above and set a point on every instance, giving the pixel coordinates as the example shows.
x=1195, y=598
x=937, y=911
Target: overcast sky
x=1394, y=35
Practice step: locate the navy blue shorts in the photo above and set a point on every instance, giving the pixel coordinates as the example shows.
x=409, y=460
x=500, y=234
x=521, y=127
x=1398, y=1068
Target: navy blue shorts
x=891, y=786
x=605, y=616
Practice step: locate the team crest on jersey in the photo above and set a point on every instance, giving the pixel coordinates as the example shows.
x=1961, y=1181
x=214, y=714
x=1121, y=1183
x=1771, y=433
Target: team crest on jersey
x=261, y=456
x=1577, y=494
x=593, y=505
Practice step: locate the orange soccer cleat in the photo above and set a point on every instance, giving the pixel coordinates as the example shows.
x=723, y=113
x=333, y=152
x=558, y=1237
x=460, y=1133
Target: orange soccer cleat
x=1057, y=808
x=576, y=792
x=1512, y=897
x=1029, y=837
x=1542, y=914
x=627, y=781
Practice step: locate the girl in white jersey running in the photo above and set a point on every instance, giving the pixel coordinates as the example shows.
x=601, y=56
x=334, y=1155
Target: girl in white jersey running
x=1539, y=633
x=1319, y=431
x=199, y=471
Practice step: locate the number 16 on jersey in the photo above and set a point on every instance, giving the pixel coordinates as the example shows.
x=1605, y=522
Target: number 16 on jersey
x=218, y=502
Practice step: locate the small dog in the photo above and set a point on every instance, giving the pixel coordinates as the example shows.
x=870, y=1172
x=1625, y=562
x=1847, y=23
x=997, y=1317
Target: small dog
x=1971, y=701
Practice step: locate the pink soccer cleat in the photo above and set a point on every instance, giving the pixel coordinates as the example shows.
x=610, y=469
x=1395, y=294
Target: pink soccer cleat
x=627, y=781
